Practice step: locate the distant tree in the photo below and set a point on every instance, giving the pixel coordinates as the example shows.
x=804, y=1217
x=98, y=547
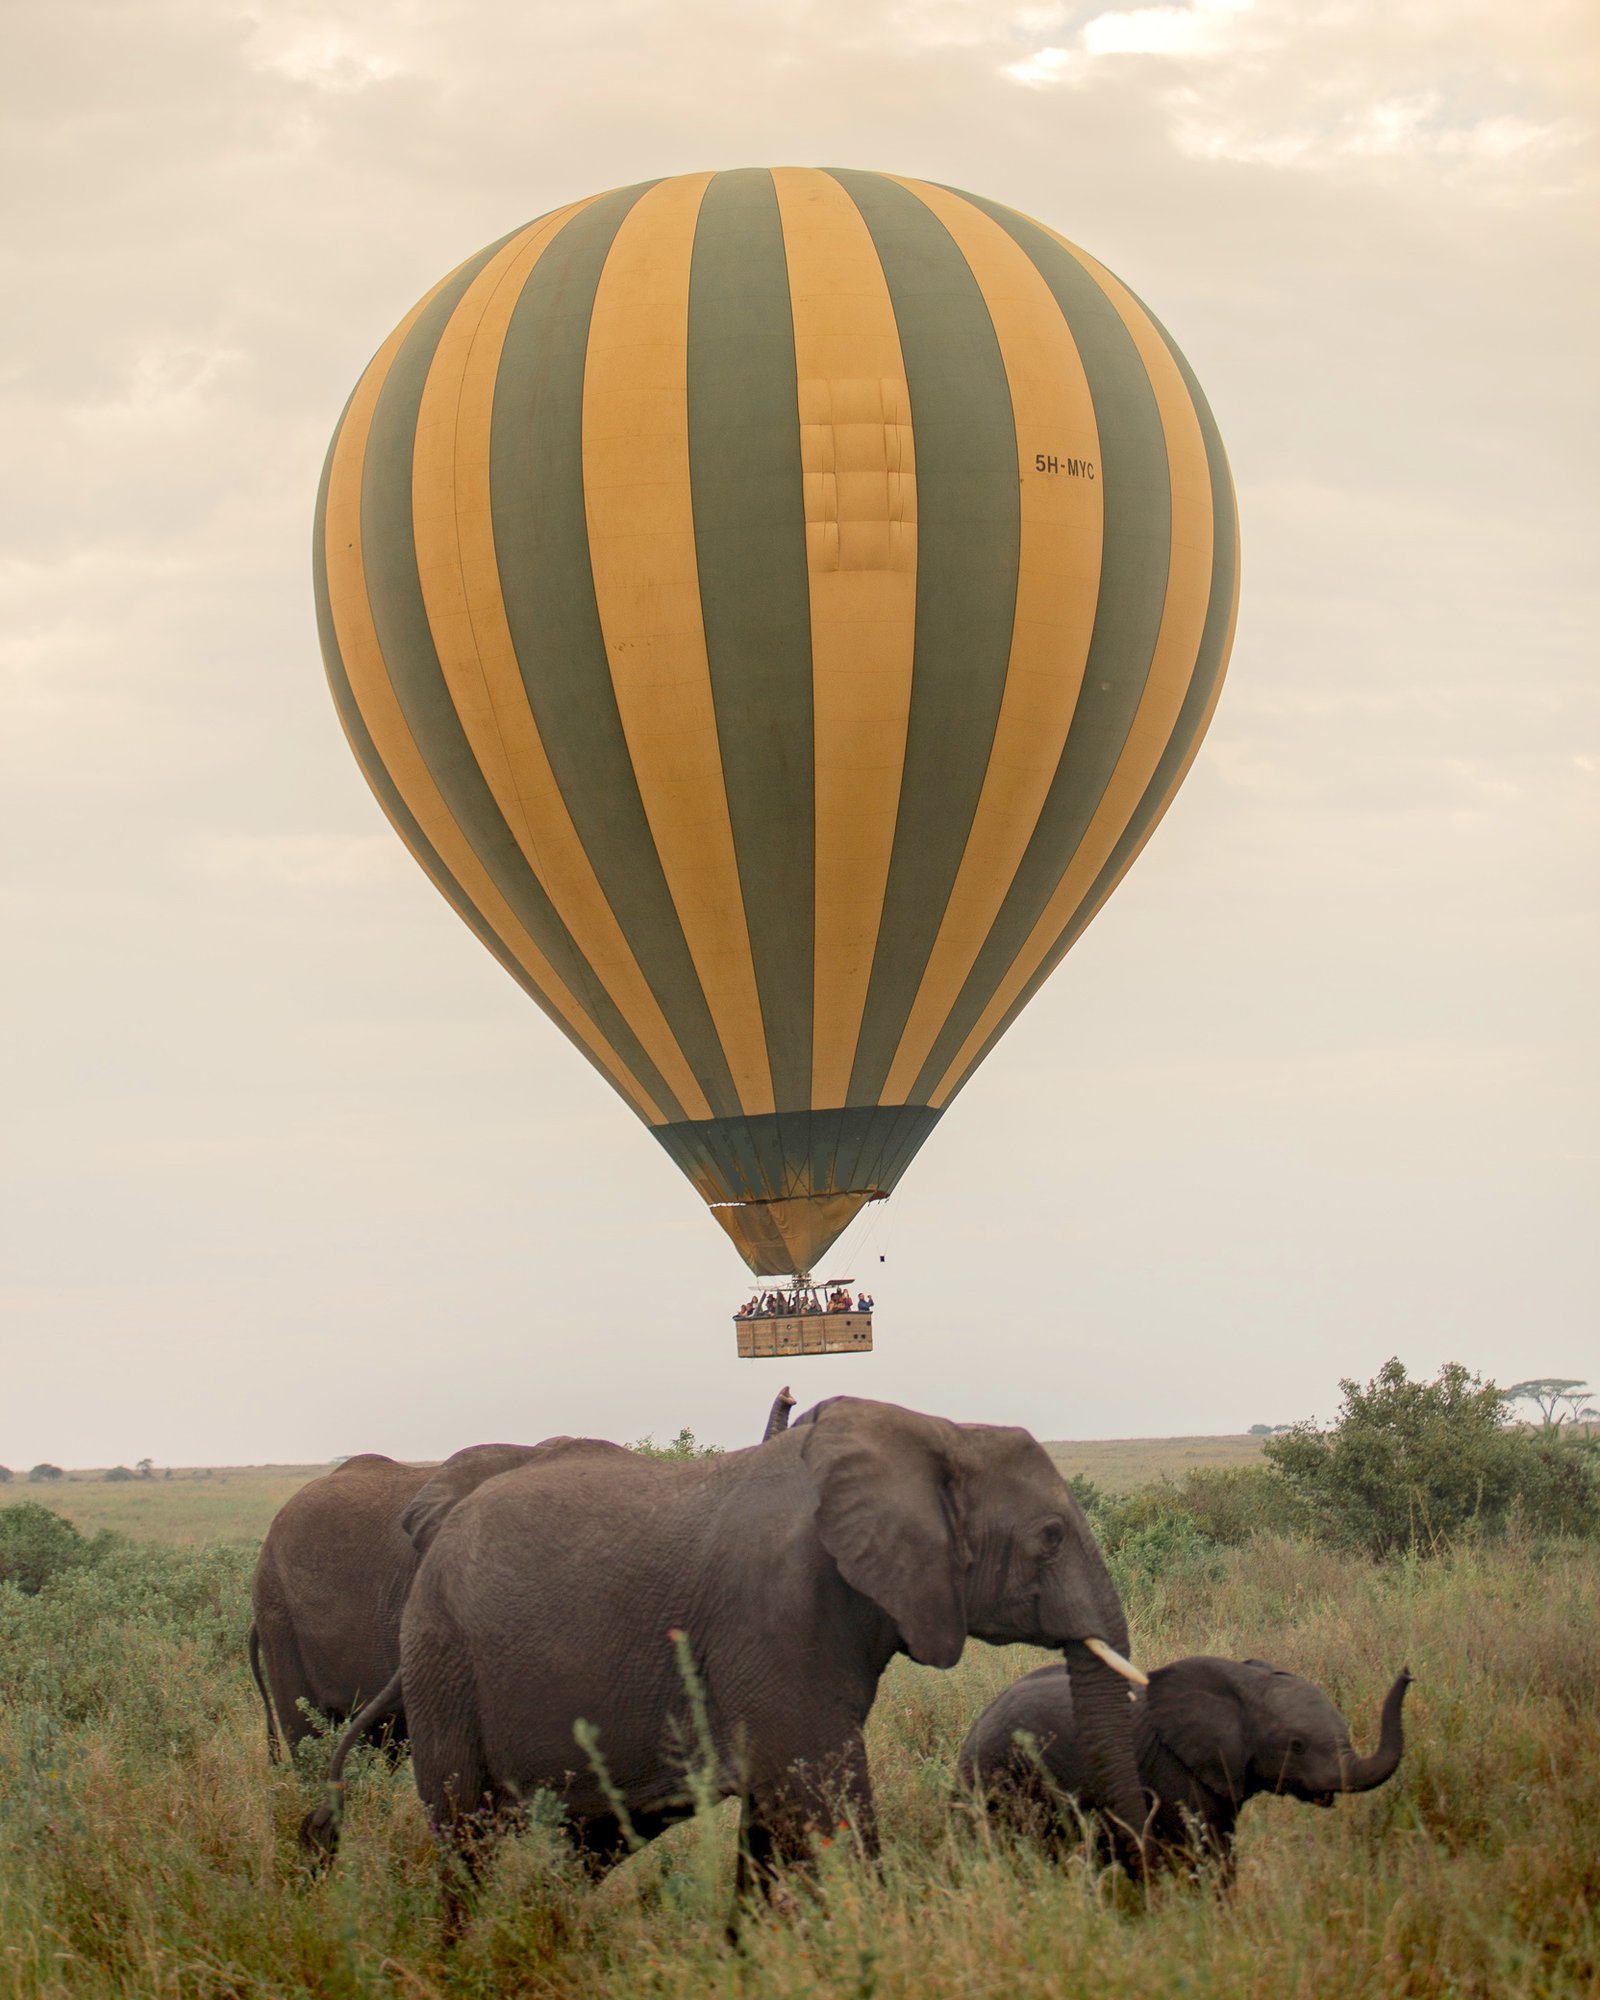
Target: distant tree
x=1548, y=1393
x=682, y=1446
x=5, y=1475
x=118, y=1475
x=147, y=1468
x=41, y=1474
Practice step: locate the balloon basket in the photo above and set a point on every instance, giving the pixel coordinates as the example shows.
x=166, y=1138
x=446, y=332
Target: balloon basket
x=802, y=1317
x=803, y=1333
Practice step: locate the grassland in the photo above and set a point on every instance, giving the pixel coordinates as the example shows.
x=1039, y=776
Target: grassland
x=234, y=1503
x=146, y=1847
x=230, y=1504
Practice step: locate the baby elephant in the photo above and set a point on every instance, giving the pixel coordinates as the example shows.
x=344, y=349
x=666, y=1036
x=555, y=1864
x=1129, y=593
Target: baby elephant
x=1208, y=1735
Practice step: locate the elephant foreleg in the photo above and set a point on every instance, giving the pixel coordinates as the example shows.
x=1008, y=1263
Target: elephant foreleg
x=780, y=1827
x=601, y=1841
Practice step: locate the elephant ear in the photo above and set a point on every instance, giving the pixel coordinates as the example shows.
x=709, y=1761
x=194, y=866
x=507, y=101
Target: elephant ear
x=1199, y=1716
x=889, y=1513
x=429, y=1508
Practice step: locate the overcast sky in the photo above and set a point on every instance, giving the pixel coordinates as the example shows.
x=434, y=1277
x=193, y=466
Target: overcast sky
x=292, y=1168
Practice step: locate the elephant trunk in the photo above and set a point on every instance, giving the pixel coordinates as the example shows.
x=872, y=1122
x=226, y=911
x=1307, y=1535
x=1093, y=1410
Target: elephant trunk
x=1103, y=1717
x=1364, y=1774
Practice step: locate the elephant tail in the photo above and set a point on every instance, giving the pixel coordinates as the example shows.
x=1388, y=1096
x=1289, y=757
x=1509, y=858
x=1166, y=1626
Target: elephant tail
x=319, y=1830
x=274, y=1747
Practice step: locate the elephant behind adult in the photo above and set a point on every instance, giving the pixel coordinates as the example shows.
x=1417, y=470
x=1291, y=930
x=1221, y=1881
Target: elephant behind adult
x=1209, y=1734
x=568, y=1590
x=332, y=1578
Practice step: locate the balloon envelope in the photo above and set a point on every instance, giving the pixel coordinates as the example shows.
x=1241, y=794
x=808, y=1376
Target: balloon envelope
x=775, y=607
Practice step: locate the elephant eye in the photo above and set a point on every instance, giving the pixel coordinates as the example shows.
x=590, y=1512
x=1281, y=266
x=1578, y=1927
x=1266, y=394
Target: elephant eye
x=1296, y=1745
x=1051, y=1536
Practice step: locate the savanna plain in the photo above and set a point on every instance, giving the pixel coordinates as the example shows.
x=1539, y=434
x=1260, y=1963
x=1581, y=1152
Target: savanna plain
x=147, y=1847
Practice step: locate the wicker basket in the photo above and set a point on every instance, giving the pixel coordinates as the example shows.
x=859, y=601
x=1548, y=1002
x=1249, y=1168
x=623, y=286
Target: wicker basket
x=769, y=1339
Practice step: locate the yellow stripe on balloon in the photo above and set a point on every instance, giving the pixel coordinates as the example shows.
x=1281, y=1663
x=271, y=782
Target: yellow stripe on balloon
x=1092, y=910
x=1171, y=667
x=460, y=580
x=647, y=588
x=1058, y=581
x=859, y=465
x=392, y=739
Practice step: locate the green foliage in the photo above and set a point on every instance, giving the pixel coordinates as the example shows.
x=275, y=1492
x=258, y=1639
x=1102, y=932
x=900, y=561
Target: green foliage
x=1211, y=1508
x=37, y=1546
x=44, y=1474
x=5, y=1475
x=1413, y=1465
x=119, y=1475
x=682, y=1446
x=125, y=1629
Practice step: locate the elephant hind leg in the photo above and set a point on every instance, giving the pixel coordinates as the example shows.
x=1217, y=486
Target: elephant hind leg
x=458, y=1792
x=287, y=1681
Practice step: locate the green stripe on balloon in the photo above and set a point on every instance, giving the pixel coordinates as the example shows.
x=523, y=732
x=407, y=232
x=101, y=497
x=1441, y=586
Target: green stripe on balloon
x=968, y=552
x=377, y=776
x=748, y=494
x=1210, y=661
x=857, y=1147
x=1136, y=493
x=405, y=638
x=546, y=583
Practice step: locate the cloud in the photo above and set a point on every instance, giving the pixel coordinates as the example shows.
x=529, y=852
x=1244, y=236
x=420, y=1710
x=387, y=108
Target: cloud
x=327, y=55
x=1283, y=85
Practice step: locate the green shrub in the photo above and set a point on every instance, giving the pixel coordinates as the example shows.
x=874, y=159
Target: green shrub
x=1163, y=1548
x=119, y=1474
x=1413, y=1465
x=682, y=1446
x=37, y=1546
x=1222, y=1506
x=45, y=1475
x=128, y=1629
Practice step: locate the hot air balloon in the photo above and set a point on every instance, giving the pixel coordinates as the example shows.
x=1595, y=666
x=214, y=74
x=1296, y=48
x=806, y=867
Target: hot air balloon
x=775, y=608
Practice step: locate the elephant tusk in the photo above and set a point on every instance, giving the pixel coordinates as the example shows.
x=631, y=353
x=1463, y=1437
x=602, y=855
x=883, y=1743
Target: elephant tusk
x=1109, y=1656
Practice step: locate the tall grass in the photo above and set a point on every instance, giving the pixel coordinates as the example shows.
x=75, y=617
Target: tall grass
x=146, y=1848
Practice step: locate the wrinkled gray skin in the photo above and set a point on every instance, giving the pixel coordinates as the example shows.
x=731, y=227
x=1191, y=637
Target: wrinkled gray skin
x=1209, y=1735
x=383, y=1717
x=332, y=1579
x=798, y=1569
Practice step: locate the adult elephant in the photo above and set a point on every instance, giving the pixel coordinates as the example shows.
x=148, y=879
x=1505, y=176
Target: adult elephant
x=1209, y=1734
x=331, y=1581
x=333, y=1575
x=577, y=1588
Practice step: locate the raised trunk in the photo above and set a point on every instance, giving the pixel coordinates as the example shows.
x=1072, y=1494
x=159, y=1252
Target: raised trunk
x=1362, y=1774
x=1103, y=1718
